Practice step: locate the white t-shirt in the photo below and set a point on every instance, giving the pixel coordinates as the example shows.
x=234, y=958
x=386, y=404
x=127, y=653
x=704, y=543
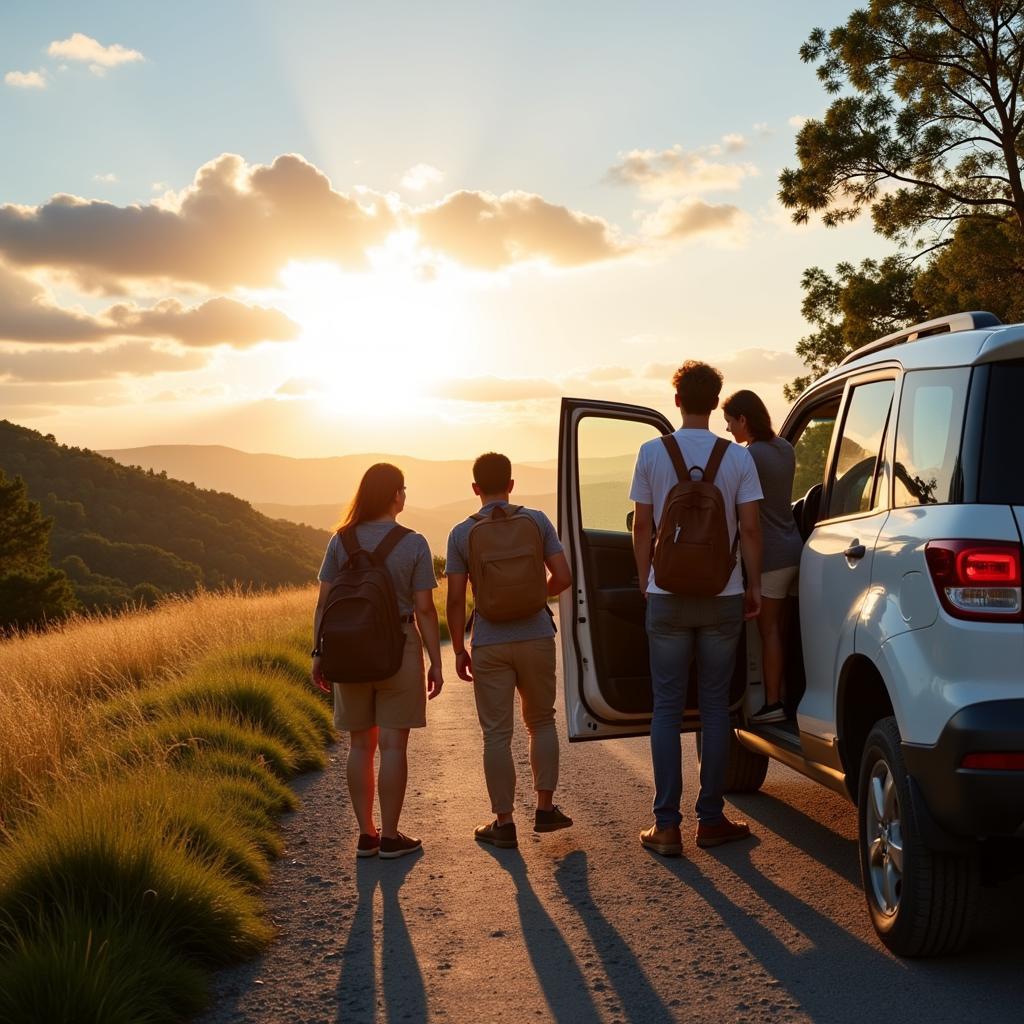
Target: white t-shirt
x=654, y=476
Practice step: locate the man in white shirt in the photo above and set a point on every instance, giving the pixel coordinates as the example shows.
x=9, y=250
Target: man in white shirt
x=679, y=626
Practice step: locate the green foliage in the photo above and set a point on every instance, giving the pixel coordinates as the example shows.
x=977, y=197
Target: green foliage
x=31, y=592
x=926, y=127
x=118, y=529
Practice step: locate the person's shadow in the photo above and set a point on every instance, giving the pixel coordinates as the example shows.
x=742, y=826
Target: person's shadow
x=639, y=999
x=405, y=996
x=561, y=980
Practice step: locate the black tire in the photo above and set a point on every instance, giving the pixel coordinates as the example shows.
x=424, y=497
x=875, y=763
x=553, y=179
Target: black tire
x=921, y=901
x=746, y=771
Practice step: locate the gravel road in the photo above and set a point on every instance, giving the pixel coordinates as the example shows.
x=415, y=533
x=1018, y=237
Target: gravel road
x=584, y=924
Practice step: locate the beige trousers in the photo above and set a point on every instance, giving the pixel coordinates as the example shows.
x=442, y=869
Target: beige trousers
x=499, y=670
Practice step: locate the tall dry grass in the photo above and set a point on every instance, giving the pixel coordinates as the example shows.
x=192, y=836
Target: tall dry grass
x=50, y=681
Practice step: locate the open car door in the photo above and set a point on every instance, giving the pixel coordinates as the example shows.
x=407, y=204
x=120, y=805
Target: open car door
x=605, y=662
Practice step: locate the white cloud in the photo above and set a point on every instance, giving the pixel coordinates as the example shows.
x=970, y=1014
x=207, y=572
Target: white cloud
x=678, y=219
x=798, y=121
x=100, y=58
x=417, y=178
x=105, y=179
x=671, y=173
x=26, y=79
x=734, y=142
x=763, y=128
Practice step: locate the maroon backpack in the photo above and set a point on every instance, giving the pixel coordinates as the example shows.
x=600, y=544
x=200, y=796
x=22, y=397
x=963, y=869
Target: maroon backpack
x=361, y=639
x=693, y=555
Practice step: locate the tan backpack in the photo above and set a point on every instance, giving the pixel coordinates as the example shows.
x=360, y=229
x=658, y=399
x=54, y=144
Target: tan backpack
x=506, y=564
x=692, y=554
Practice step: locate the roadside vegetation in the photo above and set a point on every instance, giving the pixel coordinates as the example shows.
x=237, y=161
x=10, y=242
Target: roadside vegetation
x=143, y=760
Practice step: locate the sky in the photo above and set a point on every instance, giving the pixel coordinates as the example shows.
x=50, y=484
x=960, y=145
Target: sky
x=326, y=228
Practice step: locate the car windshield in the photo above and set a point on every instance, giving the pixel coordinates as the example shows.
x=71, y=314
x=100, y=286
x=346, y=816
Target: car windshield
x=1001, y=481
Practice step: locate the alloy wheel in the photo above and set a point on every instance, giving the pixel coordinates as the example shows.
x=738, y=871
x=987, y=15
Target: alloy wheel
x=884, y=837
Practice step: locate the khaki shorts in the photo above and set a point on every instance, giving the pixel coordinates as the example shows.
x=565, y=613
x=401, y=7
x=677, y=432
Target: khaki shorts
x=778, y=583
x=396, y=703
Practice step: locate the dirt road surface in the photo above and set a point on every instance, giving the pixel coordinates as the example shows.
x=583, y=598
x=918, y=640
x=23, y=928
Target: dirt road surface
x=585, y=925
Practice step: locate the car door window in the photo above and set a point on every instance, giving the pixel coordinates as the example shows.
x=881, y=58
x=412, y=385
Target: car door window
x=811, y=448
x=856, y=468
x=606, y=453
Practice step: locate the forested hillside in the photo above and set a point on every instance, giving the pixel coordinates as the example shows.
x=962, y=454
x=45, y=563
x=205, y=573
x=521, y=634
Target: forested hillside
x=123, y=533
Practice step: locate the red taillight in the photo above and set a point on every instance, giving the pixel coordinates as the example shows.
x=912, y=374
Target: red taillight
x=994, y=762
x=977, y=579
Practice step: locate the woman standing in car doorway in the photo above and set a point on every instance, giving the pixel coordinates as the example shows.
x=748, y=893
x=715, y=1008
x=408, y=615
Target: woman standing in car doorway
x=748, y=421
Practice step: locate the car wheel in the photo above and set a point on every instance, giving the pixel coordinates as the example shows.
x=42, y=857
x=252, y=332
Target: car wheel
x=921, y=901
x=745, y=771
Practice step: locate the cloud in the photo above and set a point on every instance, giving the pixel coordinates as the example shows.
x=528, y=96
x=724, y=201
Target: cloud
x=798, y=121
x=46, y=398
x=417, y=178
x=681, y=219
x=670, y=173
x=742, y=368
x=763, y=128
x=136, y=359
x=27, y=79
x=733, y=142
x=29, y=314
x=100, y=58
x=235, y=225
x=497, y=389
x=219, y=321
x=106, y=179
x=490, y=232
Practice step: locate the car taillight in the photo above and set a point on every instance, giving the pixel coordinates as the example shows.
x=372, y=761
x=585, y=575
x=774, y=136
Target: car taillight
x=994, y=762
x=977, y=579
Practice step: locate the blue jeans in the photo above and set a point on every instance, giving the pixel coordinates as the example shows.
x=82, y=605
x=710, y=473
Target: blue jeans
x=677, y=629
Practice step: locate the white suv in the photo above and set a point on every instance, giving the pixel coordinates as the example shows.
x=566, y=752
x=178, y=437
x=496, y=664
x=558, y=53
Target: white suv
x=905, y=661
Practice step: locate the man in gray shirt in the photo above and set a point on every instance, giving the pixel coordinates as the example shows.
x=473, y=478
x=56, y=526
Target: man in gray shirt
x=517, y=655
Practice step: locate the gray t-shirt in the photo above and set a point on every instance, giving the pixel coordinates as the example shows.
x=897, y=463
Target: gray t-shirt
x=409, y=562
x=776, y=464
x=533, y=627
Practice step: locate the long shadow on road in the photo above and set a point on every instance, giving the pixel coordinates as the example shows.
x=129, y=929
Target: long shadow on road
x=639, y=999
x=834, y=975
x=405, y=996
x=561, y=980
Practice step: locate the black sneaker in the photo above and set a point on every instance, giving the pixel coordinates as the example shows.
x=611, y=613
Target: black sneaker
x=399, y=846
x=550, y=821
x=503, y=836
x=769, y=713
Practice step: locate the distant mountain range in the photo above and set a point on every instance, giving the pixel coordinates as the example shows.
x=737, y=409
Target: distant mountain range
x=123, y=533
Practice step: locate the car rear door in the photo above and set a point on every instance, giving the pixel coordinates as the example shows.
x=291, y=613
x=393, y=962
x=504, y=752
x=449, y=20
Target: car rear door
x=605, y=660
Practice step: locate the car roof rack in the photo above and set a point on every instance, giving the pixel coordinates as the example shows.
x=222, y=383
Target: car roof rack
x=941, y=325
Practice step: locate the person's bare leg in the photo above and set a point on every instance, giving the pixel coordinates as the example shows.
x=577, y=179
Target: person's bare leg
x=545, y=799
x=359, y=771
x=769, y=624
x=394, y=773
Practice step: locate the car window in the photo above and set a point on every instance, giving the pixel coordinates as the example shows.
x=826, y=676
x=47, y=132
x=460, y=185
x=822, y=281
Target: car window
x=928, y=435
x=604, y=477
x=1001, y=480
x=811, y=447
x=860, y=442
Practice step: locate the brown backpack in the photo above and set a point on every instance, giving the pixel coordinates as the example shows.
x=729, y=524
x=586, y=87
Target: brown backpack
x=692, y=553
x=506, y=564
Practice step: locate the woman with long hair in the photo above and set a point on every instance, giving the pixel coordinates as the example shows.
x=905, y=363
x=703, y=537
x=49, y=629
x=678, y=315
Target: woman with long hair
x=748, y=421
x=379, y=715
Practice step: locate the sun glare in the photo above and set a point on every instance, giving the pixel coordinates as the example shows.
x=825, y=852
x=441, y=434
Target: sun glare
x=376, y=341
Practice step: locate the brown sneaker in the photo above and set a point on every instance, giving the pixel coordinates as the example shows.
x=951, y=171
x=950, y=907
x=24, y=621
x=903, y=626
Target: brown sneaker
x=368, y=846
x=666, y=841
x=724, y=831
x=550, y=821
x=503, y=836
x=399, y=846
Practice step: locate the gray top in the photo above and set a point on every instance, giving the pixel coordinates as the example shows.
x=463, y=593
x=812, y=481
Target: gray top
x=409, y=563
x=776, y=464
x=533, y=627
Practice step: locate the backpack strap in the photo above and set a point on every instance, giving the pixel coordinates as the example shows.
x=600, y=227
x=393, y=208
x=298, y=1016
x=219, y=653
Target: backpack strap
x=676, y=455
x=715, y=460
x=349, y=541
x=388, y=544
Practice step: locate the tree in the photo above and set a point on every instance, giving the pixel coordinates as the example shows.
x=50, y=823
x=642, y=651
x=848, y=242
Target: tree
x=927, y=137
x=31, y=592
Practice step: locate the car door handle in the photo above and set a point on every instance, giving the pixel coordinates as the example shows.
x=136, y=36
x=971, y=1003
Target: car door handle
x=856, y=551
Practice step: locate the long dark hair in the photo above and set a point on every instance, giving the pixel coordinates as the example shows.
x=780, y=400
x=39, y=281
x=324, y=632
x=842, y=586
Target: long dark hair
x=376, y=491
x=746, y=403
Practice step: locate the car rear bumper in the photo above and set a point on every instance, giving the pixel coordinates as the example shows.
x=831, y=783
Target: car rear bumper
x=971, y=802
